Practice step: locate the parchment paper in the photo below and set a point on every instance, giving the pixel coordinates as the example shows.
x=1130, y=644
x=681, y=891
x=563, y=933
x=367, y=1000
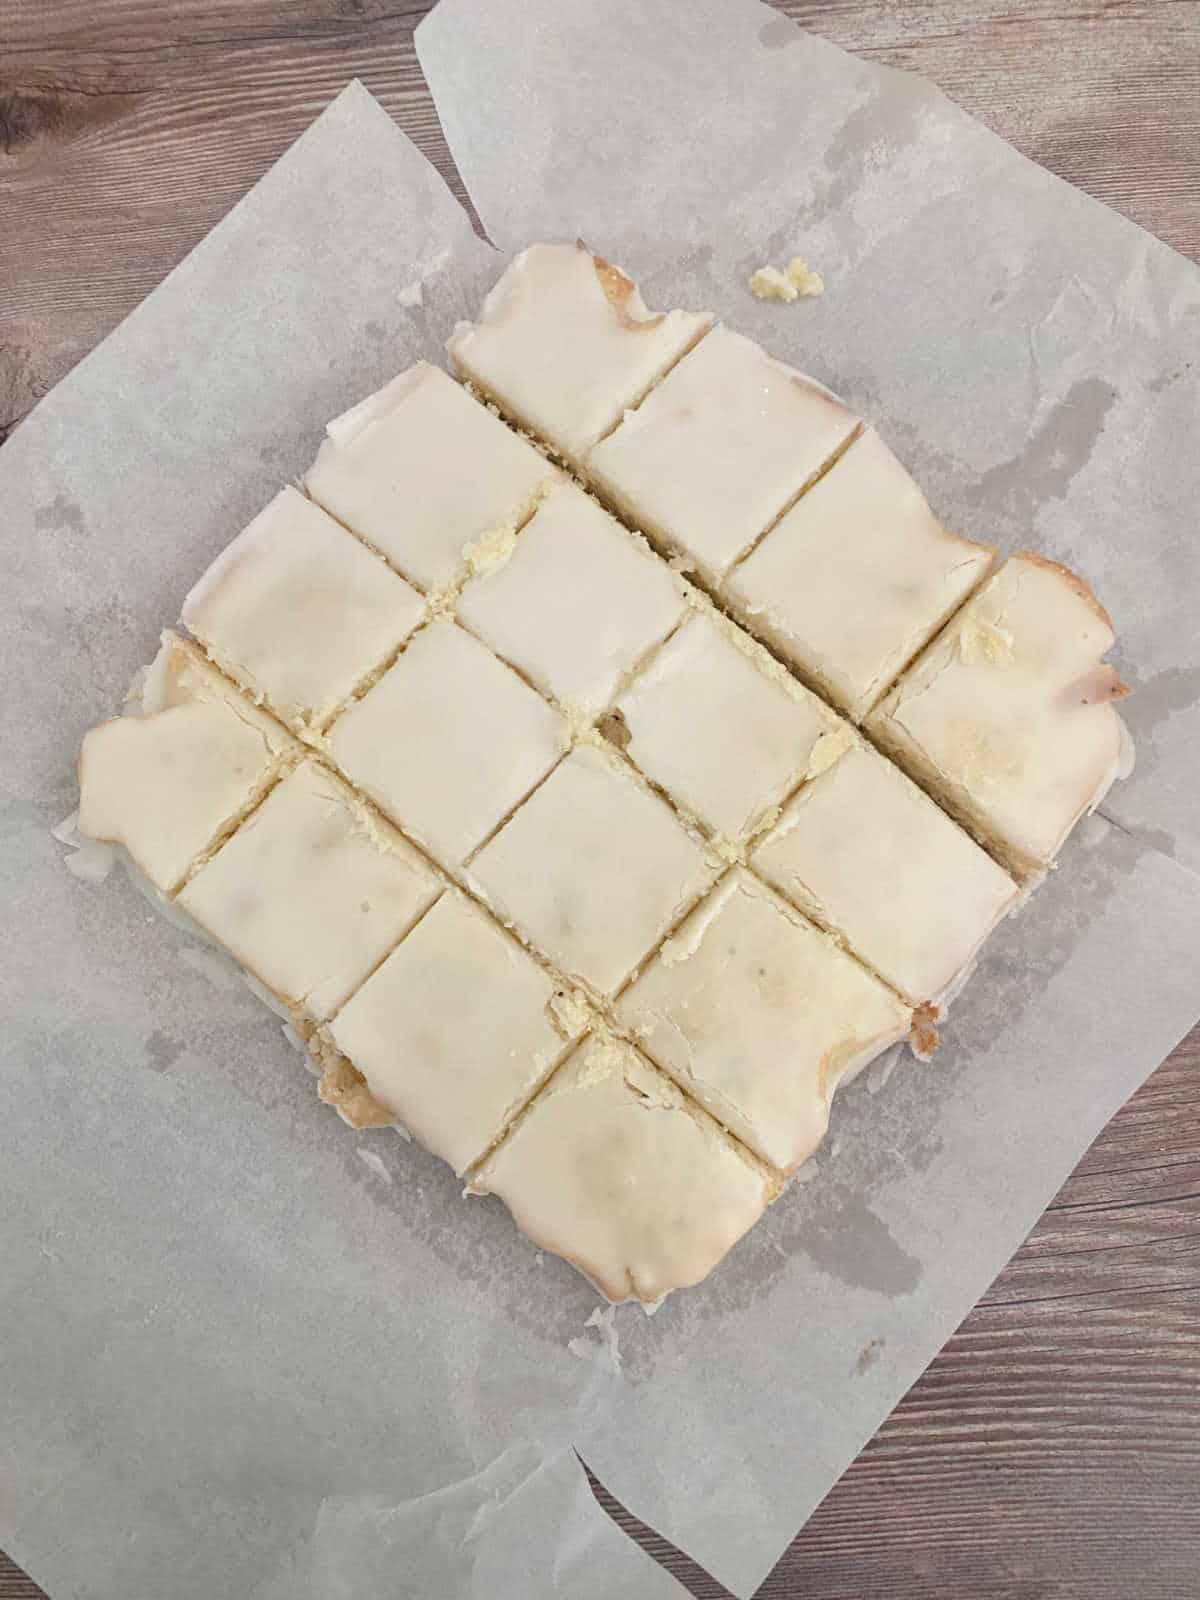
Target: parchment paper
x=248, y=1350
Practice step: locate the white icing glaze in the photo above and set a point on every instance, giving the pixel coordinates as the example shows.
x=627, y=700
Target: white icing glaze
x=168, y=783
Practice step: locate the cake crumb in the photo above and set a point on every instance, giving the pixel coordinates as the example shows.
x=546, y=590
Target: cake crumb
x=796, y=281
x=490, y=551
x=568, y=1012
x=982, y=641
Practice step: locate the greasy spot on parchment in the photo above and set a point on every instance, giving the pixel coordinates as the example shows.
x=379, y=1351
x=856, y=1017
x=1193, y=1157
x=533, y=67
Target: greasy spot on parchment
x=163, y=1050
x=1046, y=466
x=851, y=1243
x=60, y=515
x=777, y=33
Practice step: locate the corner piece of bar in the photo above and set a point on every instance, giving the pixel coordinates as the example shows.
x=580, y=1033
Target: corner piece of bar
x=854, y=579
x=1007, y=716
x=311, y=892
x=618, y=1172
x=760, y=1015
x=718, y=450
x=564, y=344
x=455, y=1032
x=421, y=469
x=298, y=612
x=171, y=781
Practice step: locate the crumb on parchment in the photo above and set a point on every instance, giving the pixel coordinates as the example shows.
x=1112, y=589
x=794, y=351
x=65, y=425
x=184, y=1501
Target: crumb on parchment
x=796, y=281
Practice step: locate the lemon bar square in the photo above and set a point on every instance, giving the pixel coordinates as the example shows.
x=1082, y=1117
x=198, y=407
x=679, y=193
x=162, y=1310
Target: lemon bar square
x=169, y=783
x=855, y=578
x=564, y=344
x=448, y=742
x=718, y=450
x=421, y=471
x=866, y=853
x=298, y=612
x=456, y=1031
x=721, y=727
x=617, y=1171
x=592, y=870
x=759, y=1015
x=311, y=892
x=1007, y=717
x=577, y=604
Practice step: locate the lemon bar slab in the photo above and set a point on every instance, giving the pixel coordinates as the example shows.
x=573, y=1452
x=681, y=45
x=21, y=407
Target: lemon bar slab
x=1007, y=716
x=448, y=742
x=866, y=853
x=592, y=870
x=455, y=1031
x=311, y=892
x=421, y=470
x=565, y=344
x=616, y=1170
x=759, y=1015
x=855, y=578
x=298, y=612
x=170, y=783
x=718, y=450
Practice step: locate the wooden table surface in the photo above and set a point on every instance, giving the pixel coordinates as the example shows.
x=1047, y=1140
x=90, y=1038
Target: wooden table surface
x=1053, y=1448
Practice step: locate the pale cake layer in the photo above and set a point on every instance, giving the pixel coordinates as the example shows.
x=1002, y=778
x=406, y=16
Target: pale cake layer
x=448, y=742
x=298, y=612
x=421, y=471
x=866, y=853
x=577, y=603
x=592, y=870
x=617, y=1171
x=564, y=344
x=170, y=783
x=760, y=1015
x=854, y=579
x=725, y=733
x=718, y=450
x=1007, y=716
x=455, y=1031
x=311, y=892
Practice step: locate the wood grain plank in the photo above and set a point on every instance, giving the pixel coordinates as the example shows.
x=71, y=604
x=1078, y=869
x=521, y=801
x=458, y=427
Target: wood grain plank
x=1052, y=1449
